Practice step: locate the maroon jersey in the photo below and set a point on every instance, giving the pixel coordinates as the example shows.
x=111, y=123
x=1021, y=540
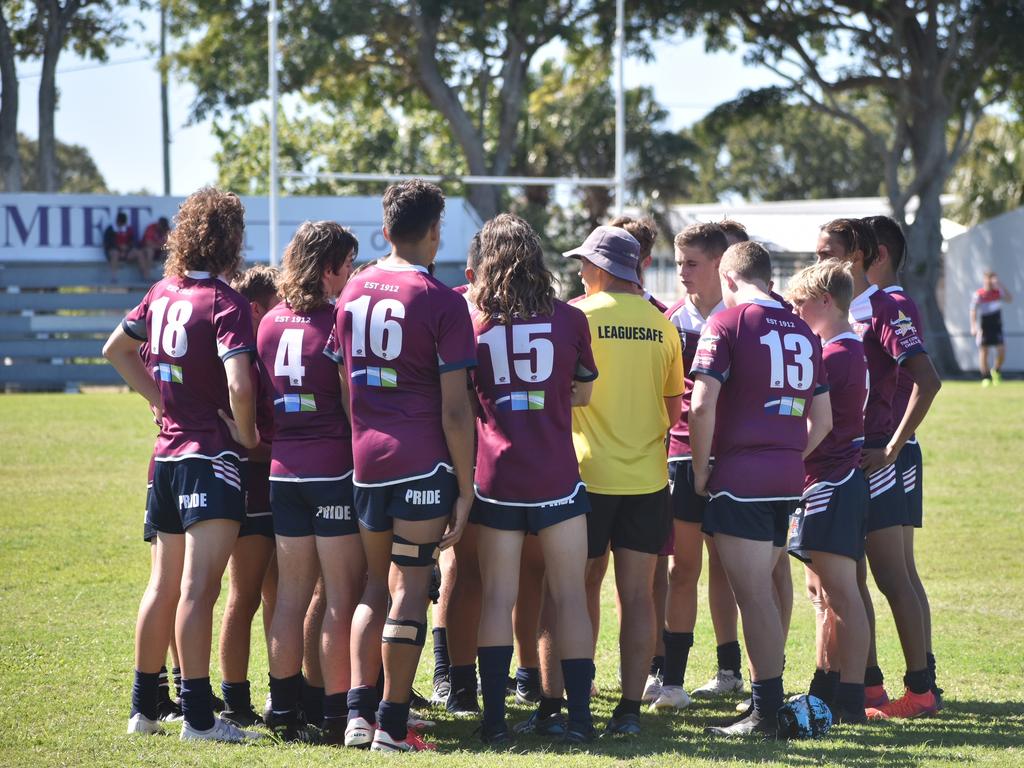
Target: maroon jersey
x=904, y=383
x=462, y=290
x=890, y=337
x=688, y=320
x=525, y=454
x=312, y=440
x=769, y=363
x=847, y=372
x=655, y=303
x=397, y=329
x=192, y=325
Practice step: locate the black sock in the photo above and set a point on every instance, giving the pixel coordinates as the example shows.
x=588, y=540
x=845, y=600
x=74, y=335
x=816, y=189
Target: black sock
x=729, y=657
x=176, y=676
x=285, y=695
x=767, y=696
x=578, y=675
x=931, y=666
x=824, y=685
x=236, y=696
x=441, y=660
x=164, y=693
x=393, y=718
x=627, y=707
x=312, y=702
x=850, y=698
x=463, y=677
x=335, y=706
x=197, y=702
x=657, y=665
x=919, y=681
x=549, y=706
x=362, y=702
x=494, y=663
x=526, y=677
x=146, y=694
x=873, y=676
x=677, y=652
x=380, y=687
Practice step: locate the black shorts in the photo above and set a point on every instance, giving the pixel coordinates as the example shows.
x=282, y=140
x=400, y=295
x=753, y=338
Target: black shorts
x=640, y=522
x=532, y=519
x=831, y=518
x=687, y=504
x=313, y=507
x=148, y=531
x=749, y=519
x=258, y=518
x=887, y=504
x=426, y=498
x=992, y=329
x=909, y=467
x=189, y=491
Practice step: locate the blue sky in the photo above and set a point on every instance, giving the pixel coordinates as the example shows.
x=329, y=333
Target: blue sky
x=114, y=109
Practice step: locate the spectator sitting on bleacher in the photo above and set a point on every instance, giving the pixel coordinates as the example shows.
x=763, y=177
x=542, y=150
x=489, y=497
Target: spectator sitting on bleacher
x=154, y=239
x=120, y=245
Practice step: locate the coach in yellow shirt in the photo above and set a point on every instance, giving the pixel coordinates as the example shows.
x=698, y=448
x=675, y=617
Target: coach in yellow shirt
x=620, y=444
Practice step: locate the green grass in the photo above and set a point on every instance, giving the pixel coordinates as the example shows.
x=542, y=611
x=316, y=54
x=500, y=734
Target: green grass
x=73, y=566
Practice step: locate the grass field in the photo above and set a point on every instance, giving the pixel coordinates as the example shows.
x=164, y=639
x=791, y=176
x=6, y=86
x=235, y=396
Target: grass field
x=73, y=566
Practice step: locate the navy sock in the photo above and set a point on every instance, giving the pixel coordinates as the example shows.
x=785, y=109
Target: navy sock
x=677, y=653
x=850, y=697
x=441, y=660
x=578, y=675
x=549, y=706
x=463, y=677
x=145, y=694
x=394, y=718
x=494, y=663
x=285, y=694
x=236, y=696
x=919, y=681
x=931, y=666
x=657, y=665
x=362, y=702
x=824, y=685
x=873, y=676
x=312, y=702
x=767, y=695
x=176, y=675
x=335, y=706
x=165, y=686
x=729, y=657
x=197, y=702
x=627, y=707
x=527, y=677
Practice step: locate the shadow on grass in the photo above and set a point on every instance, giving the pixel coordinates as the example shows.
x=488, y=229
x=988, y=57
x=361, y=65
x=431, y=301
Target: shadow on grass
x=895, y=744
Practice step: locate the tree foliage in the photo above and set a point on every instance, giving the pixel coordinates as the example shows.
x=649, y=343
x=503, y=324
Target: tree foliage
x=989, y=180
x=76, y=170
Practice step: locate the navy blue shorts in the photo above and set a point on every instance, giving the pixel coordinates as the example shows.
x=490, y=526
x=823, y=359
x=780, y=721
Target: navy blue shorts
x=832, y=518
x=189, y=491
x=258, y=518
x=687, y=504
x=753, y=520
x=426, y=498
x=148, y=531
x=887, y=503
x=313, y=507
x=909, y=466
x=992, y=329
x=640, y=522
x=532, y=519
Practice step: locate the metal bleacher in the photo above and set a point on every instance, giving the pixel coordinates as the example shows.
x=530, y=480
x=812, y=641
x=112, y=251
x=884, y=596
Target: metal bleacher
x=54, y=318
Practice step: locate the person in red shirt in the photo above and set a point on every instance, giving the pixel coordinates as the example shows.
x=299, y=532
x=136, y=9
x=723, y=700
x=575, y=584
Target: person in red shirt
x=987, y=326
x=154, y=239
x=119, y=244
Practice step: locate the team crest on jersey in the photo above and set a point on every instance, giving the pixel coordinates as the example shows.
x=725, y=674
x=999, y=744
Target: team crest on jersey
x=531, y=400
x=786, y=406
x=378, y=377
x=296, y=403
x=169, y=372
x=903, y=325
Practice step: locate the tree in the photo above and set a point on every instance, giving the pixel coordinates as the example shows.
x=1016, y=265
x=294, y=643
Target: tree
x=989, y=180
x=765, y=148
x=90, y=27
x=76, y=170
x=469, y=60
x=11, y=15
x=937, y=65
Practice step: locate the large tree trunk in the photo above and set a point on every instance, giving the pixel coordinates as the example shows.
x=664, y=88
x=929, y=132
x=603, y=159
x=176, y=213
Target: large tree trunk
x=924, y=248
x=10, y=160
x=46, y=162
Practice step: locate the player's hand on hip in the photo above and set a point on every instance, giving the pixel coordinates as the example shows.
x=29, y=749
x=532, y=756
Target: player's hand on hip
x=874, y=459
x=158, y=415
x=245, y=440
x=457, y=522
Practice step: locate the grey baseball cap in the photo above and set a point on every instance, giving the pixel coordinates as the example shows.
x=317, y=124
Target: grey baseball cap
x=612, y=249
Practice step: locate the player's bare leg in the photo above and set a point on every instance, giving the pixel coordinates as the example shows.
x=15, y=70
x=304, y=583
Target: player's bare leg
x=596, y=569
x=343, y=572
x=659, y=593
x=1000, y=358
x=367, y=629
x=268, y=593
x=922, y=596
x=463, y=619
x=526, y=620
x=983, y=362
x=247, y=568
x=547, y=720
x=681, y=612
x=634, y=574
x=312, y=672
x=725, y=620
x=782, y=588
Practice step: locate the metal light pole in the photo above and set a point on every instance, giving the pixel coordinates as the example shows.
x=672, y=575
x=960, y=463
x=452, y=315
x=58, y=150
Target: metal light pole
x=272, y=63
x=165, y=119
x=620, y=107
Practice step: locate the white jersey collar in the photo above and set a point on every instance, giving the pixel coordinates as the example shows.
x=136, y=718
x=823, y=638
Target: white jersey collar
x=844, y=335
x=402, y=268
x=860, y=307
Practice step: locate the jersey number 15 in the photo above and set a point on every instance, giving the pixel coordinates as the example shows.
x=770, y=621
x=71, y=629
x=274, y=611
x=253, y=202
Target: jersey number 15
x=538, y=354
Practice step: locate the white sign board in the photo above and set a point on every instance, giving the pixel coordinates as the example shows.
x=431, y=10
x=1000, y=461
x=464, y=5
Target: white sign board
x=69, y=228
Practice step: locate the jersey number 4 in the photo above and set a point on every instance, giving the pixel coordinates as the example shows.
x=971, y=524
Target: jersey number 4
x=288, y=361
x=538, y=354
x=799, y=373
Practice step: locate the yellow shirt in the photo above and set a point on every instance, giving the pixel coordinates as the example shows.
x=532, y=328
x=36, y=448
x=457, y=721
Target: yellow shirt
x=620, y=436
